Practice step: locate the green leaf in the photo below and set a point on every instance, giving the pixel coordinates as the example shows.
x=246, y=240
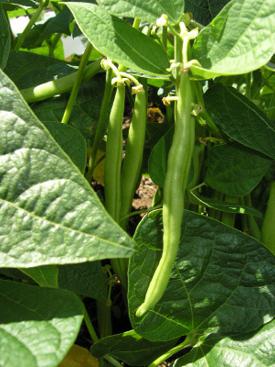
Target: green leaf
x=37, y=325
x=85, y=111
x=119, y=41
x=5, y=38
x=240, y=119
x=49, y=214
x=131, y=348
x=239, y=40
x=203, y=11
x=44, y=276
x=35, y=69
x=86, y=279
x=71, y=141
x=235, y=171
x=257, y=350
x=146, y=10
x=223, y=281
x=157, y=163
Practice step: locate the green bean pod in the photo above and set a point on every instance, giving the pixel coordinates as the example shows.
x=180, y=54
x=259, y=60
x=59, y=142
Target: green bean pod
x=112, y=170
x=133, y=155
x=179, y=161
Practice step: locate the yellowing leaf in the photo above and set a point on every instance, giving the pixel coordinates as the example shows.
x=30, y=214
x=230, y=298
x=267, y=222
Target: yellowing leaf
x=79, y=357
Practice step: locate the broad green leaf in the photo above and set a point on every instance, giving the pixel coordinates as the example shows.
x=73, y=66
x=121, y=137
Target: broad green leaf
x=34, y=69
x=146, y=10
x=119, y=41
x=37, y=325
x=49, y=214
x=257, y=350
x=86, y=279
x=131, y=348
x=223, y=281
x=203, y=11
x=235, y=171
x=157, y=163
x=5, y=38
x=71, y=141
x=240, y=119
x=240, y=39
x=85, y=111
x=44, y=276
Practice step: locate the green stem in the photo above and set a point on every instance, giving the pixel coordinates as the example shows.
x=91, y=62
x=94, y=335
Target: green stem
x=90, y=327
x=59, y=86
x=157, y=362
x=21, y=38
x=95, y=338
x=76, y=86
x=53, y=44
x=104, y=319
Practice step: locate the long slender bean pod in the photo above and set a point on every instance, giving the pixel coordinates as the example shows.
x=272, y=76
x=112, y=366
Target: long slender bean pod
x=112, y=171
x=179, y=160
x=62, y=85
x=134, y=154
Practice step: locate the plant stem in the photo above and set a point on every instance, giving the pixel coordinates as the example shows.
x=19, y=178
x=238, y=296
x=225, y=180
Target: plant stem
x=76, y=86
x=59, y=86
x=90, y=327
x=21, y=38
x=104, y=318
x=95, y=338
x=170, y=353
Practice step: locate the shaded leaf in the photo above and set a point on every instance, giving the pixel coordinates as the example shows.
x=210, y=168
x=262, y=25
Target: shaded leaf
x=131, y=348
x=119, y=41
x=204, y=11
x=240, y=119
x=37, y=325
x=86, y=279
x=44, y=276
x=235, y=171
x=85, y=111
x=5, y=38
x=257, y=350
x=71, y=141
x=239, y=40
x=49, y=213
x=79, y=357
x=222, y=281
x=34, y=69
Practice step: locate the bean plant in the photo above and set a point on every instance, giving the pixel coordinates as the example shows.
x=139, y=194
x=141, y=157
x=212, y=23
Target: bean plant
x=178, y=93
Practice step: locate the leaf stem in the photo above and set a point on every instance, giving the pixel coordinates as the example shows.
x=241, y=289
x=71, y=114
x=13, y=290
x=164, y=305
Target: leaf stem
x=186, y=343
x=76, y=86
x=21, y=38
x=62, y=85
x=95, y=338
